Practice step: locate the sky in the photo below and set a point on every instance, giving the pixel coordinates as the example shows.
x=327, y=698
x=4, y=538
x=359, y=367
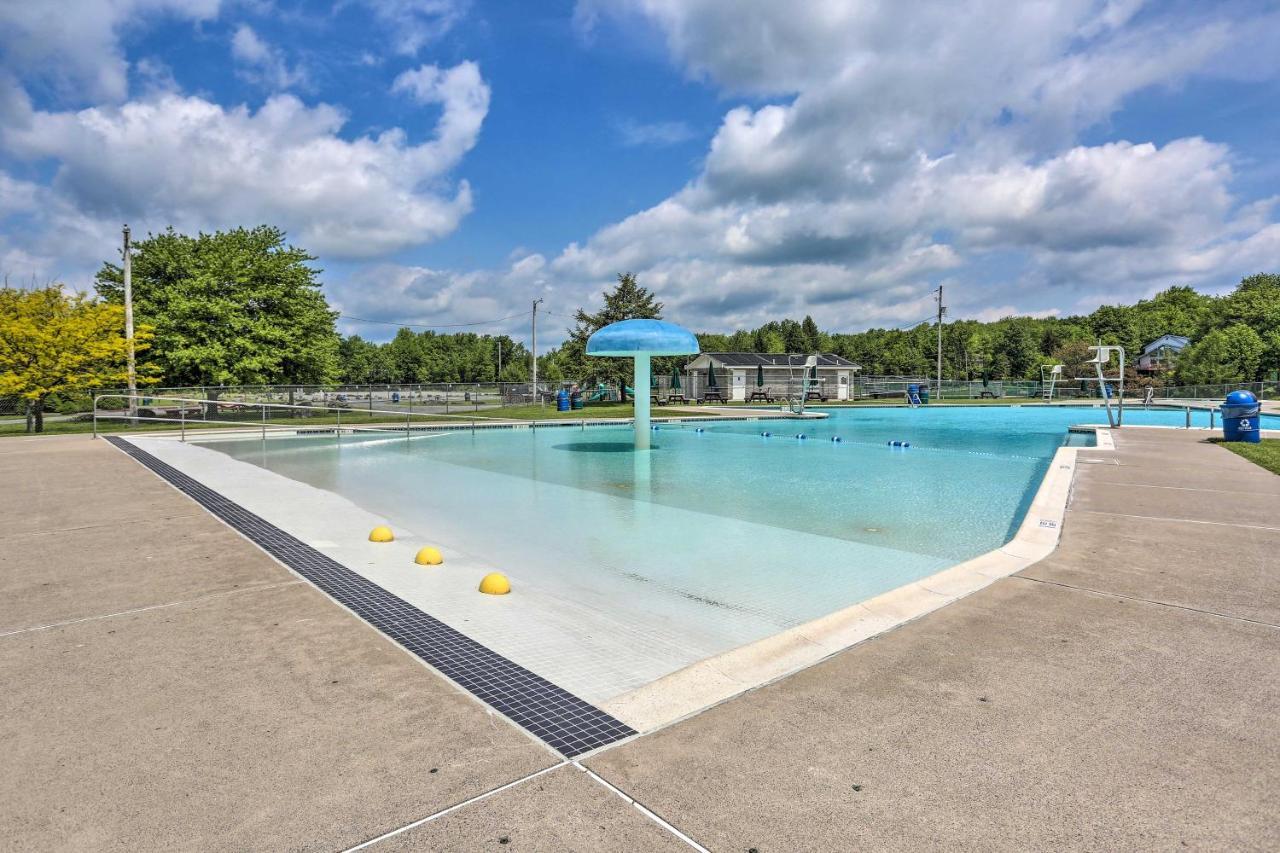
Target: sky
x=449, y=161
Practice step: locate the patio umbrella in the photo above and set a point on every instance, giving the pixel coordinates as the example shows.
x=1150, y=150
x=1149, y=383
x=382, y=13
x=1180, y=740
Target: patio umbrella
x=711, y=377
x=675, y=379
x=759, y=375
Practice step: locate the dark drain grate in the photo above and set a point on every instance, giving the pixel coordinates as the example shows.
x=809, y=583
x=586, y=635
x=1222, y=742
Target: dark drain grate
x=562, y=720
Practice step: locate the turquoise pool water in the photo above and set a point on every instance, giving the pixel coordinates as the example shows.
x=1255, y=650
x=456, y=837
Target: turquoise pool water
x=724, y=526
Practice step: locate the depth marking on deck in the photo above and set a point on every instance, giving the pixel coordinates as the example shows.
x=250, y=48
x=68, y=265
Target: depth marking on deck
x=566, y=723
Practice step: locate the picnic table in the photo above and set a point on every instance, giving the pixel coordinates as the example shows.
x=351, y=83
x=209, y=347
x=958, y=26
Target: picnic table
x=757, y=396
x=712, y=394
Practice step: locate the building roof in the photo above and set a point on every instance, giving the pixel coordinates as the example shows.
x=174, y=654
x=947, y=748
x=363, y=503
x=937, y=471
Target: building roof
x=752, y=359
x=1175, y=341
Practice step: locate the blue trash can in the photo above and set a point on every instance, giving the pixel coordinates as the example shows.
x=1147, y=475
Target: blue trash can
x=1240, y=418
x=924, y=395
x=562, y=400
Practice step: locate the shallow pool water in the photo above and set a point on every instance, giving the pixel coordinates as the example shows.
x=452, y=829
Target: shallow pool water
x=723, y=530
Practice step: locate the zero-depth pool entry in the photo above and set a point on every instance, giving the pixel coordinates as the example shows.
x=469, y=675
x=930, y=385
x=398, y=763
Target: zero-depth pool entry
x=641, y=340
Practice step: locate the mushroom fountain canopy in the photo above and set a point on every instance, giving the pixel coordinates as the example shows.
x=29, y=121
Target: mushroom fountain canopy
x=649, y=337
x=642, y=339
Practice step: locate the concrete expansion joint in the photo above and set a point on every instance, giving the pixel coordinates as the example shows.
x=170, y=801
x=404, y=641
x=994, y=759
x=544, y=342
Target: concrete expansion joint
x=149, y=520
x=640, y=807
x=364, y=845
x=197, y=600
x=1151, y=601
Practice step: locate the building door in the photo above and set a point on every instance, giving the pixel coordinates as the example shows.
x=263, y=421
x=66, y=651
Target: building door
x=842, y=389
x=740, y=385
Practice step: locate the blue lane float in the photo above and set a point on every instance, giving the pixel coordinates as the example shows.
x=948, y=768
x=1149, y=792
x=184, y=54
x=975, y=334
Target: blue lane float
x=899, y=444
x=765, y=434
x=699, y=429
x=800, y=436
x=836, y=439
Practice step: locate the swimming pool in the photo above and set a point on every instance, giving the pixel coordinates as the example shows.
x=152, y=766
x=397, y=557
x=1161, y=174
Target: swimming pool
x=717, y=538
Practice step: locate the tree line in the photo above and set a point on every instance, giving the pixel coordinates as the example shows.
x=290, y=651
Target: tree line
x=243, y=307
x=1234, y=338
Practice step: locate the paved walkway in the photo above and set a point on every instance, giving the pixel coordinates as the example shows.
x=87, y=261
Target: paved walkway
x=168, y=685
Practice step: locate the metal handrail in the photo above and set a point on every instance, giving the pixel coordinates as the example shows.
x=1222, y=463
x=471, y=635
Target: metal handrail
x=182, y=421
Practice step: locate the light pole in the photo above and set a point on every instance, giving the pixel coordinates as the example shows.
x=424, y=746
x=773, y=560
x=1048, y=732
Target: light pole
x=533, y=344
x=941, y=311
x=128, y=326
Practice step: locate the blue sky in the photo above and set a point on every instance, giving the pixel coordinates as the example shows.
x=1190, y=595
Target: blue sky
x=449, y=160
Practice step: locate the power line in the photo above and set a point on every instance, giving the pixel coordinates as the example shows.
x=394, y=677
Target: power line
x=913, y=325
x=437, y=326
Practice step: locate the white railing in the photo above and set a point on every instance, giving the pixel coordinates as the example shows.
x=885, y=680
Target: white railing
x=187, y=405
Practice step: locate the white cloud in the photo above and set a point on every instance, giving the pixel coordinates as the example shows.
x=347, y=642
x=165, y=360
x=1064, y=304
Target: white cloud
x=905, y=142
x=413, y=24
x=182, y=160
x=657, y=133
x=263, y=63
x=393, y=293
x=75, y=44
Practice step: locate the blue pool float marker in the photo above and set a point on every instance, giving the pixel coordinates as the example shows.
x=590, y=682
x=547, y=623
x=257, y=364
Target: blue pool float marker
x=764, y=434
x=899, y=444
x=801, y=436
x=836, y=439
x=699, y=429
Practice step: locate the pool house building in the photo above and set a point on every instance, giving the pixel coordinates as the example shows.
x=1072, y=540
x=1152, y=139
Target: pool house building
x=746, y=376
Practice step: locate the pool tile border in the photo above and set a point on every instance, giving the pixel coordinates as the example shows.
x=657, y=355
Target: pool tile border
x=566, y=723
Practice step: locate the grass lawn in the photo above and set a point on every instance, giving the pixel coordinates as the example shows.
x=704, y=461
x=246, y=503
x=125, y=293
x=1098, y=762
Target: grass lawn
x=1266, y=454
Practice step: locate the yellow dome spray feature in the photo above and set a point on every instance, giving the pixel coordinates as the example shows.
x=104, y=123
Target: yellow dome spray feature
x=428, y=556
x=495, y=583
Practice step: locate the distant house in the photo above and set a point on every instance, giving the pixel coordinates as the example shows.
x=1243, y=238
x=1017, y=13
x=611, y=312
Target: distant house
x=738, y=373
x=1161, y=354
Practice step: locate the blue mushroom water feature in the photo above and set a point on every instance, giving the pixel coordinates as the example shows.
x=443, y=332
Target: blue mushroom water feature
x=641, y=340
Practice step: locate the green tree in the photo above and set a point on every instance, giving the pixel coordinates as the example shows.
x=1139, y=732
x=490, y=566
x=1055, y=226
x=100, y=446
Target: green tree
x=1233, y=354
x=52, y=342
x=230, y=308
x=626, y=301
x=1020, y=346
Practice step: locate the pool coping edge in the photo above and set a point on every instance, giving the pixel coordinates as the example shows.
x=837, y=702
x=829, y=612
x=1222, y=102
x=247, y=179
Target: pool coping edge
x=714, y=680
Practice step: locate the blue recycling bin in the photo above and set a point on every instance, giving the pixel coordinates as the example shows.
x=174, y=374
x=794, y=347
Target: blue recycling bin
x=1240, y=418
x=562, y=400
x=924, y=395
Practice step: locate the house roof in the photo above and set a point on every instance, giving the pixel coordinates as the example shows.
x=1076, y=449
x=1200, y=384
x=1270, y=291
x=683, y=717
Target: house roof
x=752, y=359
x=1175, y=341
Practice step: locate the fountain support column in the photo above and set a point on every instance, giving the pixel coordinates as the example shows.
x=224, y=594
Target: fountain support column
x=640, y=385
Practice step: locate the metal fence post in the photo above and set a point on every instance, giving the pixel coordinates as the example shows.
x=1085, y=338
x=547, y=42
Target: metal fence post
x=95, y=415
x=264, y=421
x=182, y=420
x=1188, y=411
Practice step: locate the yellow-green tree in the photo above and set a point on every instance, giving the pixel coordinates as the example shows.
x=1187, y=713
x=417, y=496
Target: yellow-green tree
x=54, y=342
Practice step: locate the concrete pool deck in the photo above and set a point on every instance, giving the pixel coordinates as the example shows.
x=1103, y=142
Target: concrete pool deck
x=171, y=685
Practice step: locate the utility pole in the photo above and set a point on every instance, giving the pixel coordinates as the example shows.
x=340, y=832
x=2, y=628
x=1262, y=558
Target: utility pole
x=128, y=326
x=941, y=311
x=533, y=343
x=499, y=376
